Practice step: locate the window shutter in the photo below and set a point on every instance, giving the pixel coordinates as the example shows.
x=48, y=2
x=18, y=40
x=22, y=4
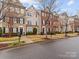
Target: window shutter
x=23, y=21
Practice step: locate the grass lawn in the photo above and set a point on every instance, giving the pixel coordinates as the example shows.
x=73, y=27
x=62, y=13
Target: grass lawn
x=8, y=39
x=37, y=37
x=57, y=36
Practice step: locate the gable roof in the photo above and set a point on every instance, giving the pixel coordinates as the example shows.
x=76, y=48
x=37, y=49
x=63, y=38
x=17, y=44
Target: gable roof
x=15, y=2
x=33, y=8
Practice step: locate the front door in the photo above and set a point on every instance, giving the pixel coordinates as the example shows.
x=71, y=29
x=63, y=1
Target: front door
x=21, y=31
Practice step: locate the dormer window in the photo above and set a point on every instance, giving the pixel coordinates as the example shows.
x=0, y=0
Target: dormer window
x=29, y=14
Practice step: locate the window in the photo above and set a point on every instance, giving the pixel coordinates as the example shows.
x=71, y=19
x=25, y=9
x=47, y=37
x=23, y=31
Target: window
x=6, y=30
x=29, y=23
x=4, y=19
x=11, y=9
x=21, y=20
x=29, y=14
x=15, y=30
x=46, y=22
x=3, y=29
x=15, y=20
x=17, y=10
x=43, y=30
x=18, y=20
x=22, y=11
x=42, y=14
x=11, y=29
x=36, y=23
x=49, y=30
x=29, y=29
x=49, y=22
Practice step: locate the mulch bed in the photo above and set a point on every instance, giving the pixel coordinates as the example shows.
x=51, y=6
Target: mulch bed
x=3, y=45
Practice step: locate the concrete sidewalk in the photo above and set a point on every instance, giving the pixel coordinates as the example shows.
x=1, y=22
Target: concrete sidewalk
x=7, y=42
x=26, y=39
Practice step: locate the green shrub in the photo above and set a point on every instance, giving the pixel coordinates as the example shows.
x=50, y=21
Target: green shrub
x=35, y=31
x=22, y=42
x=29, y=33
x=42, y=33
x=15, y=43
x=0, y=31
x=58, y=32
x=14, y=34
x=51, y=33
x=69, y=32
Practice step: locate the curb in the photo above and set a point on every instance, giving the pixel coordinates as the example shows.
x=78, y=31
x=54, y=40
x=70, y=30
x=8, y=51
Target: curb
x=20, y=45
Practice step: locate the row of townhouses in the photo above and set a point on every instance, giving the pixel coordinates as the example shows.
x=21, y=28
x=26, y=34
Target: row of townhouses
x=18, y=18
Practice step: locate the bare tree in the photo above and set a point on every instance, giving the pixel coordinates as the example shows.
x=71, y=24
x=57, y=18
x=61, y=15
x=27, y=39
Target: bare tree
x=66, y=24
x=2, y=11
x=3, y=6
x=51, y=5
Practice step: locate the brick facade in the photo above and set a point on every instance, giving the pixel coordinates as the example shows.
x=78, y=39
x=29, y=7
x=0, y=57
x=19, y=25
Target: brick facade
x=76, y=24
x=14, y=19
x=49, y=23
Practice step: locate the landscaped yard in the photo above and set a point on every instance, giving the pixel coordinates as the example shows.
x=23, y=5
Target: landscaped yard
x=56, y=37
x=14, y=41
x=10, y=42
x=37, y=37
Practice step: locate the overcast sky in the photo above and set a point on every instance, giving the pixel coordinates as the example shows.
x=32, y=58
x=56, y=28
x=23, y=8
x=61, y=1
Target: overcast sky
x=71, y=6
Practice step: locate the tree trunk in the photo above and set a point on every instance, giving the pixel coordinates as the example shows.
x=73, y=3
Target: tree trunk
x=46, y=32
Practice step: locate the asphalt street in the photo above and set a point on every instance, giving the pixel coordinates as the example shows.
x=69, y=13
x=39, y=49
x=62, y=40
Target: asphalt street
x=61, y=49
